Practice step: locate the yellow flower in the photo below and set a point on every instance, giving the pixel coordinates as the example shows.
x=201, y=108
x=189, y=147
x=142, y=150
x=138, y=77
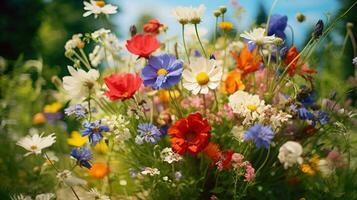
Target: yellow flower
x=53, y=108
x=38, y=118
x=164, y=95
x=101, y=147
x=226, y=26
x=307, y=169
x=76, y=139
x=314, y=162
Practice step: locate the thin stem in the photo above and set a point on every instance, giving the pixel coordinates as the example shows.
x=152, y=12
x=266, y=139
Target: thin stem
x=84, y=56
x=292, y=34
x=344, y=44
x=270, y=13
x=184, y=43
x=216, y=30
x=353, y=41
x=199, y=40
x=81, y=59
x=266, y=159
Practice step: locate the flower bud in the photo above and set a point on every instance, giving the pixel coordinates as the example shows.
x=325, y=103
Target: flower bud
x=349, y=25
x=319, y=27
x=217, y=13
x=300, y=17
x=69, y=53
x=133, y=30
x=223, y=9
x=278, y=41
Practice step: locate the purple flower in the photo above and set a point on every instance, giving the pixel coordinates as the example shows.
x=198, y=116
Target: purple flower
x=304, y=114
x=148, y=132
x=78, y=110
x=163, y=71
x=261, y=135
x=82, y=155
x=94, y=131
x=323, y=117
x=277, y=26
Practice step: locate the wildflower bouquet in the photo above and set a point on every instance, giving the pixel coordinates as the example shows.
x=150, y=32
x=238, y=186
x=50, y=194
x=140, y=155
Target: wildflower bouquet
x=233, y=118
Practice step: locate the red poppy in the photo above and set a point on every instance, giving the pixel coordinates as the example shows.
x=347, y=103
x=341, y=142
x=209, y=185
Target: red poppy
x=190, y=134
x=290, y=57
x=142, y=45
x=226, y=159
x=152, y=26
x=122, y=86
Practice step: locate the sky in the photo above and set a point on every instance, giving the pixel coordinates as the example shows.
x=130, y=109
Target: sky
x=131, y=10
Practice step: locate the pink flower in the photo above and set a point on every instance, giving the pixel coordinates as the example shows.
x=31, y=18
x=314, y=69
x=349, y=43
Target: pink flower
x=249, y=172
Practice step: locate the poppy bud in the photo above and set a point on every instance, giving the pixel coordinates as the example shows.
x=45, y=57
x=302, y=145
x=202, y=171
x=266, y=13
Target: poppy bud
x=319, y=27
x=223, y=9
x=217, y=13
x=133, y=30
x=349, y=25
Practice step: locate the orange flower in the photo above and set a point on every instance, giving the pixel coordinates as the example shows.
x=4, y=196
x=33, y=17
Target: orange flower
x=38, y=118
x=247, y=61
x=233, y=82
x=212, y=150
x=99, y=170
x=290, y=57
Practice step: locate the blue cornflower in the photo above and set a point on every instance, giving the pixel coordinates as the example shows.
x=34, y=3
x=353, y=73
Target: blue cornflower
x=94, y=131
x=261, y=135
x=163, y=71
x=277, y=26
x=323, y=117
x=148, y=132
x=78, y=110
x=308, y=99
x=83, y=156
x=304, y=114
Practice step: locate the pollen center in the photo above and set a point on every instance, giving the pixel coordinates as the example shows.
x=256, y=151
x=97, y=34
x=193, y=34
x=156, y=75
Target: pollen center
x=33, y=147
x=252, y=107
x=162, y=72
x=202, y=78
x=100, y=3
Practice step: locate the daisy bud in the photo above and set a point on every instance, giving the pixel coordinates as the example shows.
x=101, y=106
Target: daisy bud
x=133, y=30
x=278, y=41
x=319, y=27
x=217, y=13
x=69, y=53
x=223, y=9
x=349, y=25
x=300, y=17
x=77, y=64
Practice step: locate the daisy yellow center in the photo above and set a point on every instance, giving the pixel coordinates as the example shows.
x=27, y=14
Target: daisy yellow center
x=100, y=3
x=252, y=107
x=33, y=147
x=202, y=78
x=162, y=72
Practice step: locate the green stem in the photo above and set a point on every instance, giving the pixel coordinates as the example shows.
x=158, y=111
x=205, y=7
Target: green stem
x=184, y=43
x=199, y=40
x=215, y=31
x=266, y=159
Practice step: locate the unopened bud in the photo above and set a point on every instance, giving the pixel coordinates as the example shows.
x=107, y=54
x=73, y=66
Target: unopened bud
x=300, y=17
x=223, y=9
x=133, y=30
x=69, y=53
x=319, y=27
x=278, y=41
x=217, y=13
x=349, y=25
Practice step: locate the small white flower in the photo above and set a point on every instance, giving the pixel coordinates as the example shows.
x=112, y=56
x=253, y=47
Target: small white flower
x=80, y=83
x=190, y=14
x=35, y=143
x=202, y=75
x=74, y=42
x=167, y=155
x=258, y=36
x=98, y=7
x=100, y=33
x=109, y=47
x=246, y=105
x=123, y=182
x=290, y=153
x=150, y=171
x=238, y=133
x=94, y=194
x=354, y=61
x=118, y=126
x=68, y=179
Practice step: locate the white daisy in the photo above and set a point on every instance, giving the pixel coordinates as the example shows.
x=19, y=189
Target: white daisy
x=100, y=33
x=80, y=83
x=190, y=14
x=246, y=105
x=35, y=143
x=98, y=7
x=258, y=37
x=290, y=153
x=75, y=41
x=202, y=75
